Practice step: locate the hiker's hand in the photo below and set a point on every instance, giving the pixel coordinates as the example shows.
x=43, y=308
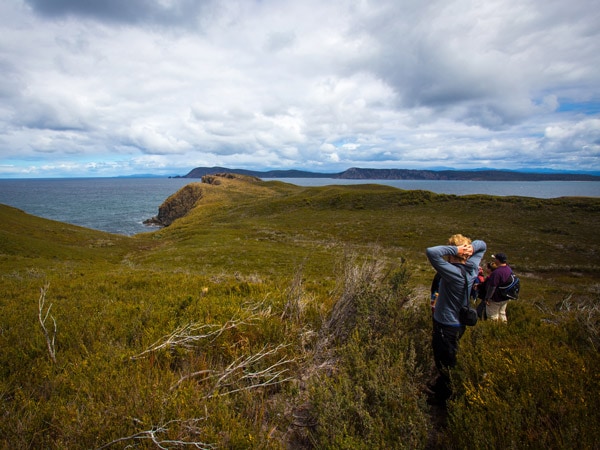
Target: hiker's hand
x=465, y=250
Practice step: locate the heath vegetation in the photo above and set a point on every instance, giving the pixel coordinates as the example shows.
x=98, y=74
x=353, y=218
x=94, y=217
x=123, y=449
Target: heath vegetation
x=274, y=316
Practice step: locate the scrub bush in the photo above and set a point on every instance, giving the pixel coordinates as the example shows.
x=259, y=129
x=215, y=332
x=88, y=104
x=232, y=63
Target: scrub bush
x=369, y=396
x=527, y=388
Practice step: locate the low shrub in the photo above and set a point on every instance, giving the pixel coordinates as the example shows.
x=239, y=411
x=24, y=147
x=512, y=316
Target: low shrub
x=368, y=397
x=526, y=387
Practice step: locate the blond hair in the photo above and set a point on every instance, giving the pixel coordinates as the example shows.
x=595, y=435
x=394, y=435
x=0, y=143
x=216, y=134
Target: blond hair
x=458, y=240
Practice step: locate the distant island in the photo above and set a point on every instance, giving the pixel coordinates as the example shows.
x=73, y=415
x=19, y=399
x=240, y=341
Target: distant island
x=355, y=173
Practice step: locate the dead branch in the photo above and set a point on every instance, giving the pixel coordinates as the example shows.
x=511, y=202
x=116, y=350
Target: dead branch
x=154, y=434
x=191, y=375
x=257, y=309
x=188, y=335
x=42, y=317
x=230, y=376
x=269, y=375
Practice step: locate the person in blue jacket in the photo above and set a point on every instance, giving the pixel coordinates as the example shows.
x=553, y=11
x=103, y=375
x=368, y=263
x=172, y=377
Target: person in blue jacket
x=459, y=256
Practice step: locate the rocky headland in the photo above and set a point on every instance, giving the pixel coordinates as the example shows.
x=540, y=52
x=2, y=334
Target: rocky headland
x=183, y=201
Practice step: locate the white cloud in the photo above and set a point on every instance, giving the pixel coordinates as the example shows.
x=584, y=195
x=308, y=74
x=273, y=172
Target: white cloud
x=115, y=88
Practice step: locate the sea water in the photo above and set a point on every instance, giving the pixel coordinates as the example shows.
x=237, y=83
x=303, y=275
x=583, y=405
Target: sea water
x=536, y=189
x=120, y=205
x=116, y=205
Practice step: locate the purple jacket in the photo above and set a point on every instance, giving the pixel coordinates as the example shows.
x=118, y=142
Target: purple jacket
x=499, y=277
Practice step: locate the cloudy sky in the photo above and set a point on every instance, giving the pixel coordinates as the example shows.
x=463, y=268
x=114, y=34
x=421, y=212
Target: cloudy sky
x=114, y=87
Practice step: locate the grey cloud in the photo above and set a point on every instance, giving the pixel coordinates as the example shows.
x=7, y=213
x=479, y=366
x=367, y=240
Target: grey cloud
x=50, y=117
x=123, y=11
x=11, y=81
x=76, y=44
x=280, y=40
x=443, y=56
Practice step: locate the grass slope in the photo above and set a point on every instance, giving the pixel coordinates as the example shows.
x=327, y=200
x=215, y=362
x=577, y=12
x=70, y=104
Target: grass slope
x=279, y=316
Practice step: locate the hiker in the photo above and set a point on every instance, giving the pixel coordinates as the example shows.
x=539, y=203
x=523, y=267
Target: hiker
x=495, y=303
x=477, y=284
x=435, y=288
x=489, y=268
x=481, y=290
x=455, y=261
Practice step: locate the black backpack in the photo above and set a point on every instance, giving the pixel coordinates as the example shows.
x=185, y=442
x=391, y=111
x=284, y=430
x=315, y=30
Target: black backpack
x=510, y=291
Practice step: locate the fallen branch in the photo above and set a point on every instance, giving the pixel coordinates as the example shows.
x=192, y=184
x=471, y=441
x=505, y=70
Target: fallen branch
x=42, y=317
x=191, y=375
x=154, y=435
x=269, y=376
x=240, y=364
x=188, y=335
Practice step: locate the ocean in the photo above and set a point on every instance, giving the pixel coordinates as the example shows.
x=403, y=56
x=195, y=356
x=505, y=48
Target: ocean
x=536, y=189
x=116, y=205
x=120, y=205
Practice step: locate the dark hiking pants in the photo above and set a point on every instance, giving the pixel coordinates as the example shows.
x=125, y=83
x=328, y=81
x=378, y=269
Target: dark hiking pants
x=445, y=347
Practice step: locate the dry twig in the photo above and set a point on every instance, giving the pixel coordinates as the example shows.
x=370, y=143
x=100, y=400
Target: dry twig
x=154, y=434
x=187, y=335
x=226, y=379
x=42, y=317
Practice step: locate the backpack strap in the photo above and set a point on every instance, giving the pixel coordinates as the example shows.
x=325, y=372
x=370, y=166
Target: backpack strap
x=464, y=272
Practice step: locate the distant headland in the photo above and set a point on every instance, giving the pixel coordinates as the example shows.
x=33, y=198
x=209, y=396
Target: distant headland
x=355, y=173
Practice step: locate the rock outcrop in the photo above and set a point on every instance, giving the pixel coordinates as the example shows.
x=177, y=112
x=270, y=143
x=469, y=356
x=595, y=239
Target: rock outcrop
x=216, y=178
x=185, y=199
x=177, y=205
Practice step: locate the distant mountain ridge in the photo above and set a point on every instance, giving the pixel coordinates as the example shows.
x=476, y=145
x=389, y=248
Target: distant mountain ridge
x=356, y=173
x=199, y=172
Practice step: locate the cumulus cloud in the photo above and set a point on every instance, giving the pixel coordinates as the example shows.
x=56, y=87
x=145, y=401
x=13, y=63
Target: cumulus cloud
x=114, y=87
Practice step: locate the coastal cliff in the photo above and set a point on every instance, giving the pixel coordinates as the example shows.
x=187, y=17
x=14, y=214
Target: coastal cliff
x=177, y=205
x=184, y=200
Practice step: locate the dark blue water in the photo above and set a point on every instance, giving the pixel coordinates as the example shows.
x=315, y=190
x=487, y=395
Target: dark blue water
x=116, y=205
x=120, y=205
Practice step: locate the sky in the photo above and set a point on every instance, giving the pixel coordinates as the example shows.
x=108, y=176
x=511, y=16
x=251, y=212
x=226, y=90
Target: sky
x=94, y=88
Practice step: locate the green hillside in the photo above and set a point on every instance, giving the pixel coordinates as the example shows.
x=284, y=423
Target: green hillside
x=277, y=316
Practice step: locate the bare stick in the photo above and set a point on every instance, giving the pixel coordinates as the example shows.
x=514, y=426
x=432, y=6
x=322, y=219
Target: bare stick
x=188, y=335
x=154, y=435
x=42, y=317
x=226, y=379
x=191, y=375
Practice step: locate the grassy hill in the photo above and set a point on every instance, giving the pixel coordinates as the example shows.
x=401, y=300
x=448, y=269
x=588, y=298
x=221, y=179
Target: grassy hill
x=278, y=316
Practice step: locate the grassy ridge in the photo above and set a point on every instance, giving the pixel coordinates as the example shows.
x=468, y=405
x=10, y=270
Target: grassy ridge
x=274, y=315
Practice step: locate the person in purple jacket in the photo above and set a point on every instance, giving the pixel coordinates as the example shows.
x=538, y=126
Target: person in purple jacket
x=459, y=258
x=495, y=303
